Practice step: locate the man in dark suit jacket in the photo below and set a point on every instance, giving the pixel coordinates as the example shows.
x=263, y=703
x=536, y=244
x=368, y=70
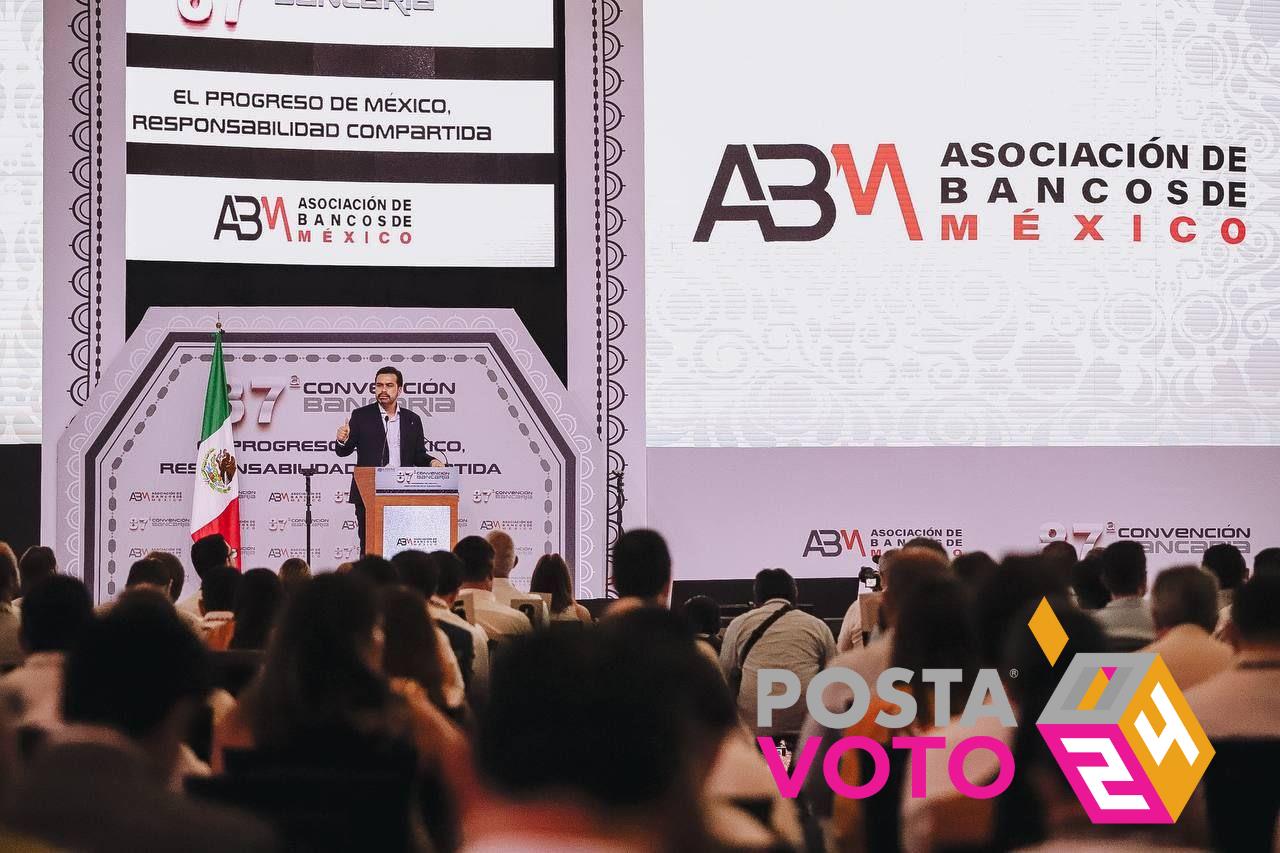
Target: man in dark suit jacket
x=381, y=434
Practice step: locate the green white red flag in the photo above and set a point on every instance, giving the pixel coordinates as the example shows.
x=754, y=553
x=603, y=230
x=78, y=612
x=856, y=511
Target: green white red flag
x=215, y=501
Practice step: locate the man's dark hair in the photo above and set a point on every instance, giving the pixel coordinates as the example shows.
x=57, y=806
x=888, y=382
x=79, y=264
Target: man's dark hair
x=1267, y=562
x=448, y=572
x=148, y=571
x=927, y=542
x=1227, y=564
x=1086, y=582
x=476, y=555
x=702, y=612
x=258, y=597
x=218, y=590
x=391, y=370
x=1020, y=581
x=641, y=564
x=133, y=666
x=417, y=571
x=774, y=583
x=37, y=563
x=935, y=630
x=377, y=570
x=1185, y=595
x=974, y=567
x=55, y=612
x=613, y=717
x=1060, y=557
x=1124, y=568
x=177, y=574
x=1255, y=610
x=209, y=551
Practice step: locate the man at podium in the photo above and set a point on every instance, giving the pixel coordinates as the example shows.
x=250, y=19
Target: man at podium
x=382, y=434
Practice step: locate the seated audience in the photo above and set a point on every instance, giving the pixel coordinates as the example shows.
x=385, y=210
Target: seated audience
x=416, y=650
x=775, y=634
x=551, y=576
x=177, y=574
x=10, y=646
x=1244, y=701
x=1184, y=607
x=641, y=571
x=150, y=575
x=999, y=602
x=293, y=573
x=1126, y=618
x=1061, y=557
x=56, y=612
x=974, y=567
x=498, y=620
x=207, y=552
x=420, y=572
x=598, y=740
x=448, y=574
x=218, y=590
x=1267, y=562
x=322, y=695
x=37, y=563
x=702, y=613
x=1087, y=588
x=929, y=544
x=1225, y=562
x=377, y=570
x=257, y=601
x=131, y=687
x=505, y=560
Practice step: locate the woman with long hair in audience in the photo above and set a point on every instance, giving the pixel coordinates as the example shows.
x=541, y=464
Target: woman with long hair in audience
x=551, y=577
x=322, y=690
x=257, y=602
x=414, y=649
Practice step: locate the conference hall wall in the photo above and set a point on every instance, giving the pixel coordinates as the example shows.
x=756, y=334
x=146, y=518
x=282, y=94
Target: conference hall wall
x=1000, y=273
x=346, y=184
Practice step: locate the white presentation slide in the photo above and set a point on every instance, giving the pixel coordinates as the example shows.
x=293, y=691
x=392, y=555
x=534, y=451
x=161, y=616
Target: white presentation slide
x=954, y=224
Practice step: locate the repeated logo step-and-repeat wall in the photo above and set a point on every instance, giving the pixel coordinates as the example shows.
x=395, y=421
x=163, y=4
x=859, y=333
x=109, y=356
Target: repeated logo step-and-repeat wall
x=492, y=408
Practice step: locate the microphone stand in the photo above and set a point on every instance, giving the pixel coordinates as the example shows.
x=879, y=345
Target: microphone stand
x=307, y=473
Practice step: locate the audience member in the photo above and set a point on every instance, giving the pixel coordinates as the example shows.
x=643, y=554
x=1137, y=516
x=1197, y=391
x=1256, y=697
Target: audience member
x=505, y=560
x=498, y=620
x=131, y=687
x=377, y=570
x=321, y=693
x=294, y=572
x=551, y=577
x=596, y=741
x=641, y=570
x=1227, y=564
x=10, y=646
x=448, y=583
x=998, y=602
x=929, y=544
x=37, y=563
x=1061, y=557
x=1244, y=701
x=415, y=650
x=1087, y=588
x=1267, y=562
x=218, y=589
x=57, y=610
x=419, y=571
x=207, y=552
x=1126, y=618
x=1184, y=607
x=177, y=574
x=974, y=567
x=257, y=601
x=702, y=613
x=775, y=634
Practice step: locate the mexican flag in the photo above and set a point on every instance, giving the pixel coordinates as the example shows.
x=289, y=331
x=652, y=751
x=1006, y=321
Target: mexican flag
x=215, y=501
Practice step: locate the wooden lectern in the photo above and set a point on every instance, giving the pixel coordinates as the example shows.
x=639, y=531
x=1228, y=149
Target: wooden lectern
x=408, y=508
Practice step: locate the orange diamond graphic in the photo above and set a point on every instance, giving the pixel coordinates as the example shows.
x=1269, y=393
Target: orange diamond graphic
x=1048, y=632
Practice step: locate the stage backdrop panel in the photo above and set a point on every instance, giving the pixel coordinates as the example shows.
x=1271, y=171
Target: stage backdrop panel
x=492, y=408
x=828, y=511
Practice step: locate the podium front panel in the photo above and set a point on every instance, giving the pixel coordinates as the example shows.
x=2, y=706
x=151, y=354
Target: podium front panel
x=415, y=527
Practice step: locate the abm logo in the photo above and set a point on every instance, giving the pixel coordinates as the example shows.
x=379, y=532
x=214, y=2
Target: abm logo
x=833, y=543
x=243, y=215
x=737, y=160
